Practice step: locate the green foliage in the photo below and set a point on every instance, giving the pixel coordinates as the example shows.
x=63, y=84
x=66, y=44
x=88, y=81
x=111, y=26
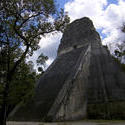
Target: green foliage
x=41, y=62
x=120, y=51
x=123, y=27
x=40, y=69
x=119, y=54
x=122, y=65
x=62, y=22
x=22, y=87
x=41, y=59
x=105, y=46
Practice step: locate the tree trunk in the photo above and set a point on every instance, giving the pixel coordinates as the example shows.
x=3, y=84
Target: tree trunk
x=3, y=115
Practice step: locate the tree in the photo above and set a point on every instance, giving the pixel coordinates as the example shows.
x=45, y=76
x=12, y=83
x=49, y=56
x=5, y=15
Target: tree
x=41, y=62
x=22, y=87
x=22, y=24
x=120, y=51
x=23, y=82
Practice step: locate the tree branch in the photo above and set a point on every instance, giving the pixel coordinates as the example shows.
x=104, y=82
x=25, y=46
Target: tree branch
x=16, y=31
x=29, y=18
x=42, y=33
x=23, y=55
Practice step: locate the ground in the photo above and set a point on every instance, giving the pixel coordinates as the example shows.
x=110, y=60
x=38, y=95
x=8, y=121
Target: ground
x=71, y=123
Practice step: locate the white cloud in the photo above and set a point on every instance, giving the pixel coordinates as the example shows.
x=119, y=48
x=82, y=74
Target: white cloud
x=115, y=16
x=90, y=8
x=107, y=17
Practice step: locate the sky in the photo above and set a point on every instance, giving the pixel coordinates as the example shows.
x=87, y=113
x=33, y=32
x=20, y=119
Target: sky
x=108, y=17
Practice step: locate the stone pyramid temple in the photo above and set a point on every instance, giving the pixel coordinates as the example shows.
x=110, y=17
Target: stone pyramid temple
x=84, y=81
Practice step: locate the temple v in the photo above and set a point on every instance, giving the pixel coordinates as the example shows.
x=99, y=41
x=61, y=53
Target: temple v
x=84, y=81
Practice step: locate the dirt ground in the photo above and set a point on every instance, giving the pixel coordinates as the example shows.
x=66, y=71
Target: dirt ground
x=70, y=123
